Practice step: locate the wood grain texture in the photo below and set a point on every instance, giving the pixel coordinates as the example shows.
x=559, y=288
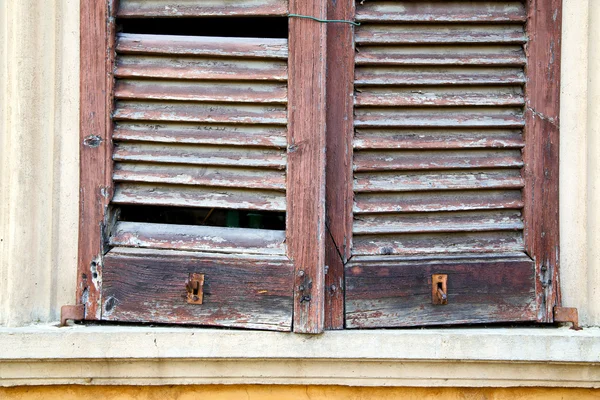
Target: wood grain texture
x=340, y=130
x=306, y=162
x=437, y=75
x=198, y=238
x=239, y=291
x=190, y=8
x=541, y=152
x=96, y=42
x=383, y=293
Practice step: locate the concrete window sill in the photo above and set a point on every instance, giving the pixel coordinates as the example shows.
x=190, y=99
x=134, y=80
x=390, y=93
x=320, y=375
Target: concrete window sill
x=499, y=357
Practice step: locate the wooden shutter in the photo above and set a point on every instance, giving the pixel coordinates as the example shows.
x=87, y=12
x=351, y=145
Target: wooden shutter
x=452, y=163
x=202, y=122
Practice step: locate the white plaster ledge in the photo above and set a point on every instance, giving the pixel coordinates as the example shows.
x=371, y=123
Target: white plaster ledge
x=431, y=357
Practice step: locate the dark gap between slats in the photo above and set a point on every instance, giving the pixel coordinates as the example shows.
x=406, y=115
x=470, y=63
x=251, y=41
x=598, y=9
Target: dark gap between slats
x=260, y=27
x=204, y=217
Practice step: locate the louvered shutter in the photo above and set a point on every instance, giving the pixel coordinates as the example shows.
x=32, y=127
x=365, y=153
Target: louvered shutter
x=445, y=146
x=203, y=122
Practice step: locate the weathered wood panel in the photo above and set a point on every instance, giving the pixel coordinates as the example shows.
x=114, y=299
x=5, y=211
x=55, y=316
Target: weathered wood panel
x=199, y=112
x=191, y=8
x=444, y=180
x=383, y=293
x=438, y=243
x=200, y=155
x=208, y=134
x=438, y=75
x=199, y=196
x=541, y=153
x=442, y=11
x=437, y=201
x=365, y=160
x=198, y=238
x=440, y=34
x=238, y=69
x=436, y=96
x=209, y=91
x=306, y=162
x=239, y=291
x=227, y=47
x=200, y=176
x=388, y=139
x=470, y=221
x=476, y=55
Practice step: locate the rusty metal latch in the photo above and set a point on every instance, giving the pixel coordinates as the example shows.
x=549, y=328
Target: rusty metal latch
x=195, y=288
x=439, y=289
x=567, y=314
x=75, y=313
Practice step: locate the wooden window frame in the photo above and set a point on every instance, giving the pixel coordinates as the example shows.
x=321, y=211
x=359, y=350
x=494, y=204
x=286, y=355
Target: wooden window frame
x=305, y=233
x=541, y=154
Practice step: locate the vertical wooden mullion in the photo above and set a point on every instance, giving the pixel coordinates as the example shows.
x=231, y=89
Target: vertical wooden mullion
x=95, y=148
x=340, y=133
x=306, y=162
x=541, y=150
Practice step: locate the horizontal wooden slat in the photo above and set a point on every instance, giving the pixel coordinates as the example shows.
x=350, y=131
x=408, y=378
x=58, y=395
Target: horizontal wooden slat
x=471, y=221
x=198, y=238
x=438, y=243
x=200, y=112
x=236, y=92
x=417, y=75
x=193, y=196
x=130, y=43
x=436, y=139
x=442, y=11
x=438, y=180
x=437, y=201
x=142, y=285
x=435, y=159
x=388, y=293
x=128, y=66
x=439, y=96
x=477, y=55
x=191, y=8
x=200, y=155
x=202, y=176
x=471, y=117
x=212, y=134
x=439, y=34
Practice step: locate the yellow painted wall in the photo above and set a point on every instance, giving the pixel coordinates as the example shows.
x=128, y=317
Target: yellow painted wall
x=288, y=393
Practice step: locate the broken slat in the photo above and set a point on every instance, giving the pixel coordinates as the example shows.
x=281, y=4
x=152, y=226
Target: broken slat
x=471, y=117
x=442, y=11
x=471, y=221
x=194, y=196
x=435, y=159
x=200, y=155
x=476, y=55
x=439, y=96
x=438, y=243
x=130, y=43
x=243, y=291
x=438, y=180
x=204, y=8
x=198, y=238
x=388, y=139
x=437, y=201
x=440, y=34
x=211, y=91
x=200, y=176
x=426, y=75
x=239, y=69
x=200, y=112
x=210, y=134
x=386, y=293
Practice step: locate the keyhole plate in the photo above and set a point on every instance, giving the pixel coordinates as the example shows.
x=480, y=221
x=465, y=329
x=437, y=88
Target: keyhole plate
x=195, y=288
x=439, y=283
